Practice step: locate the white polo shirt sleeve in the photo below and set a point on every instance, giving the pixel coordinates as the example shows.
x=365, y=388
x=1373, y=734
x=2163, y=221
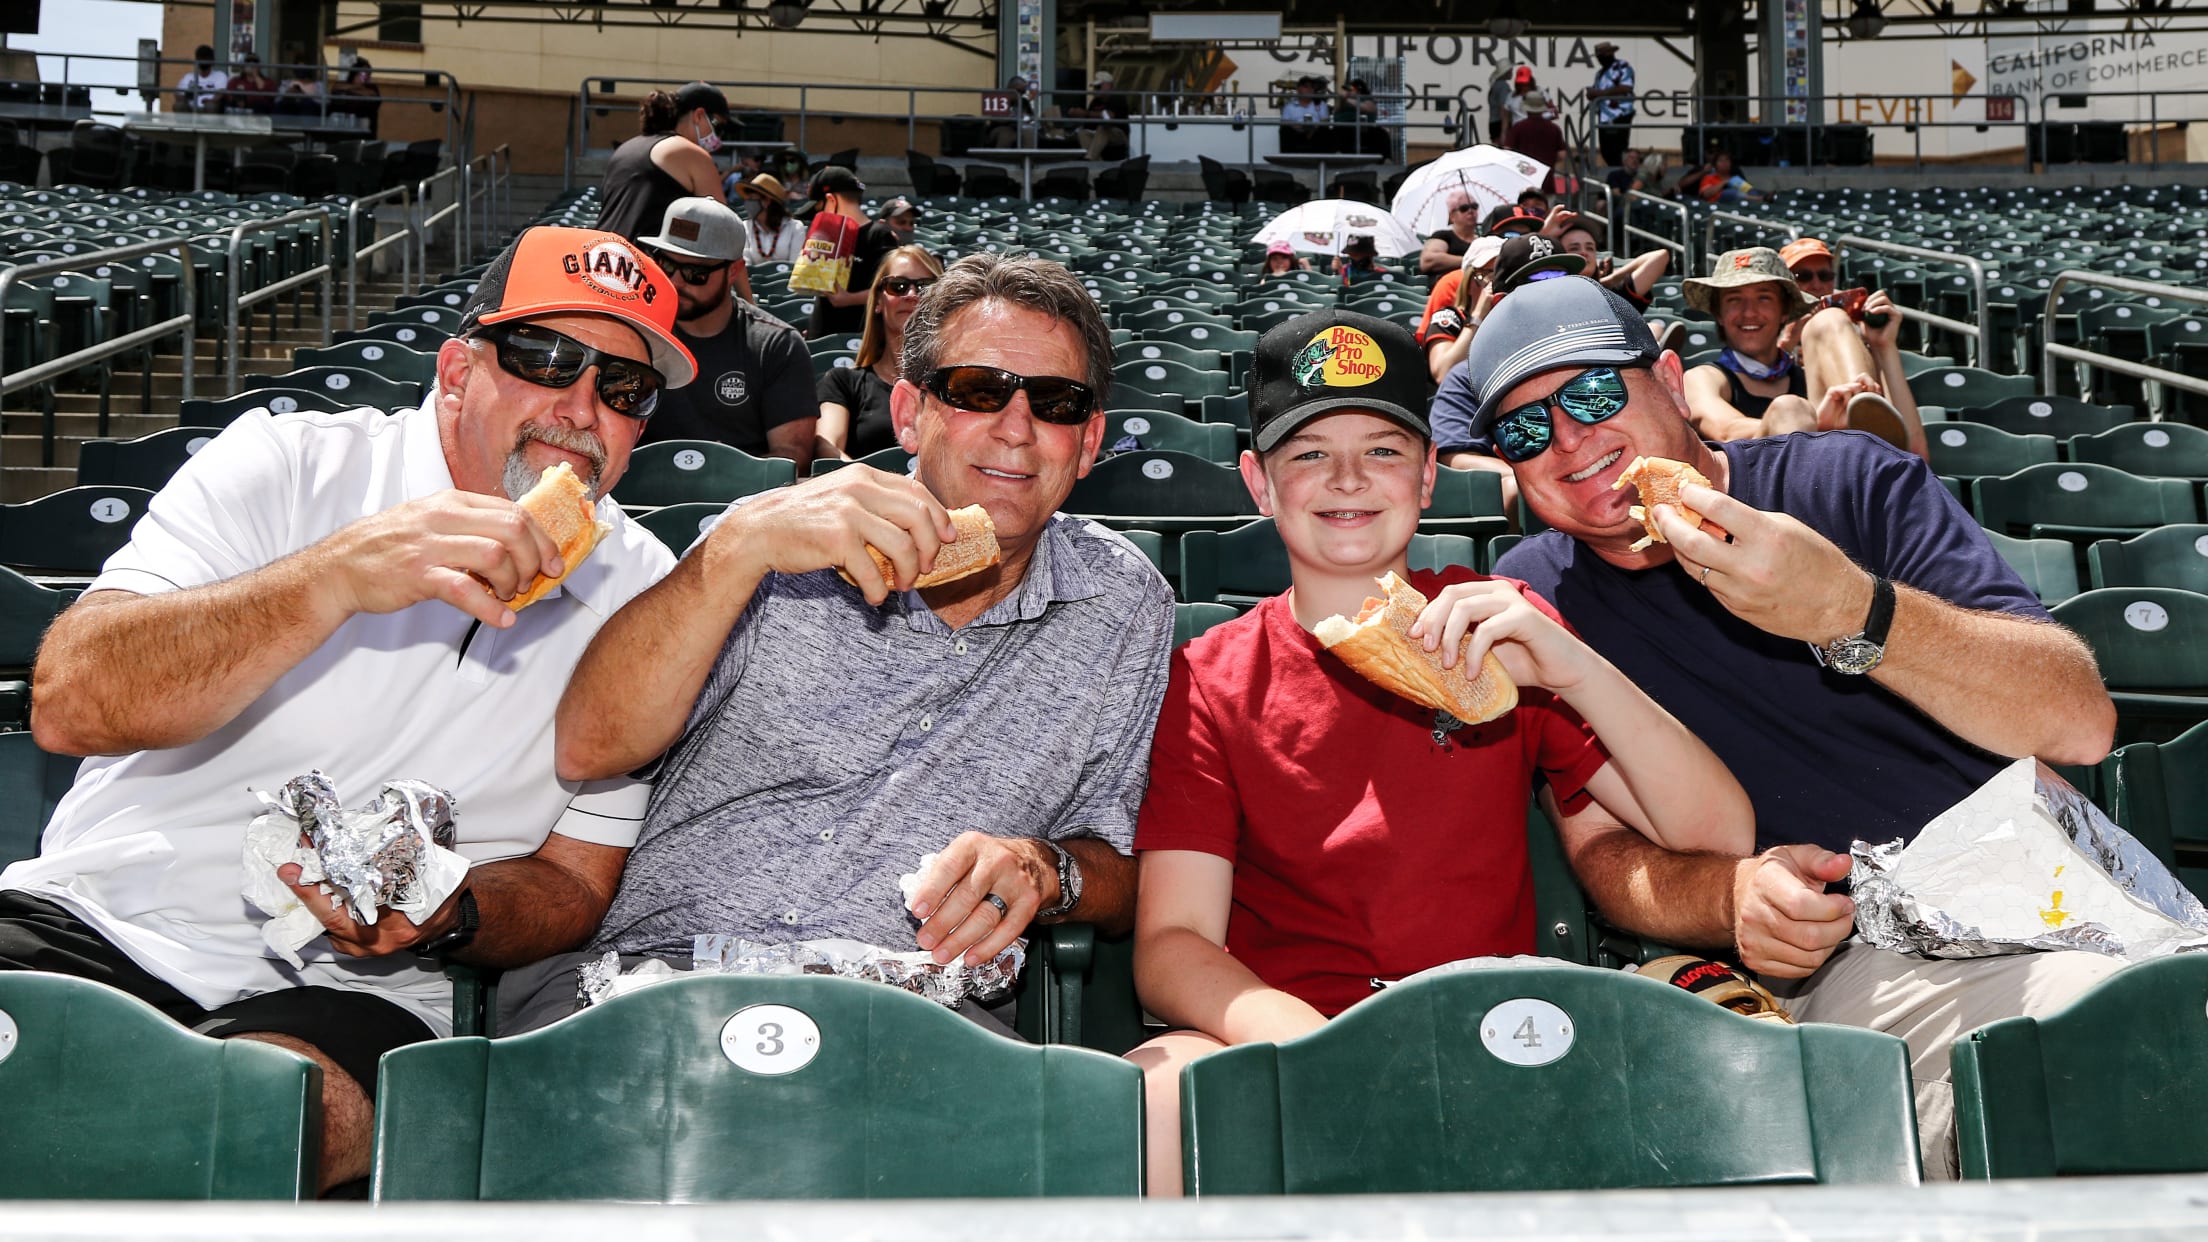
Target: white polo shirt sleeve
x=227, y=512
x=609, y=812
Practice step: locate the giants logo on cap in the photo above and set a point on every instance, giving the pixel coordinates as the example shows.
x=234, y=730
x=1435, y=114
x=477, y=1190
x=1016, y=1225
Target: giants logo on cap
x=1743, y=259
x=613, y=270
x=1338, y=358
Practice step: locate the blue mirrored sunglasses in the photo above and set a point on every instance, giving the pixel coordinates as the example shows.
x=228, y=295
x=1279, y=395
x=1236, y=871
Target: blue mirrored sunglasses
x=1589, y=397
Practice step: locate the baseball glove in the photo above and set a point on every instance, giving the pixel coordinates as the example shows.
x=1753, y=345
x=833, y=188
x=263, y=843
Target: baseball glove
x=1719, y=983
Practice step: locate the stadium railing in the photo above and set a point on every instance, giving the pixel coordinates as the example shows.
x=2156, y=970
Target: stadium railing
x=407, y=238
x=2052, y=351
x=1980, y=333
x=238, y=299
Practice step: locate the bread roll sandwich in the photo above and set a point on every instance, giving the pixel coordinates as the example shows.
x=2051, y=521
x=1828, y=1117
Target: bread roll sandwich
x=1659, y=480
x=562, y=506
x=974, y=550
x=1378, y=646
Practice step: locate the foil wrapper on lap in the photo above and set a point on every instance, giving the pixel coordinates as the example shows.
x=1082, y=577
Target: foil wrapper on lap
x=393, y=852
x=915, y=972
x=2024, y=863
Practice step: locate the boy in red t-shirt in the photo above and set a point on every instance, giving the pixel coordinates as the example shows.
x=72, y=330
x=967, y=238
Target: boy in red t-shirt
x=1307, y=832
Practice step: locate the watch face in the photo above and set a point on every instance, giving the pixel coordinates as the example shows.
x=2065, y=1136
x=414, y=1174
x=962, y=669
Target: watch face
x=1856, y=656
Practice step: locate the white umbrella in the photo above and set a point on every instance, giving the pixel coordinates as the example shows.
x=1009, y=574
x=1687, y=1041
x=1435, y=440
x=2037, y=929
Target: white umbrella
x=1491, y=175
x=1324, y=226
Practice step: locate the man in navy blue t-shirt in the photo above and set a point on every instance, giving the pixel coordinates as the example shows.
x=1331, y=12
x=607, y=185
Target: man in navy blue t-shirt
x=1856, y=652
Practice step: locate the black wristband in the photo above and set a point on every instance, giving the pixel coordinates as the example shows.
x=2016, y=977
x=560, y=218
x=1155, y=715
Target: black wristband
x=1882, y=611
x=462, y=933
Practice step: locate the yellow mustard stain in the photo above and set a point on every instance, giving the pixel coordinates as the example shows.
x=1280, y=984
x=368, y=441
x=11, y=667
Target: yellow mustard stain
x=2055, y=915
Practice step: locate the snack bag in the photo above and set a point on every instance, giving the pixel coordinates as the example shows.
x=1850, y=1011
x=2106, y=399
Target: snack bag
x=824, y=261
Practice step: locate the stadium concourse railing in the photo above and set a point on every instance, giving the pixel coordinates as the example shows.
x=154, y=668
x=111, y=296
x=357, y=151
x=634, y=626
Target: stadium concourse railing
x=1981, y=332
x=440, y=92
x=406, y=238
x=54, y=368
x=496, y=194
x=2053, y=351
x=427, y=220
x=1718, y=117
x=1243, y=112
x=237, y=301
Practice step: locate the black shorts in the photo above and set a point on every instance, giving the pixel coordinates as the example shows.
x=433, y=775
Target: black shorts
x=351, y=1028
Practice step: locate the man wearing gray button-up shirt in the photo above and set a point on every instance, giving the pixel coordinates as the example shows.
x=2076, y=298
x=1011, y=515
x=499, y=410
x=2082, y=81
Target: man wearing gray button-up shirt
x=820, y=736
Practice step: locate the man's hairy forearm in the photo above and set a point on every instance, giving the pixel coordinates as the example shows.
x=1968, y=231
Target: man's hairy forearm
x=1107, y=886
x=2008, y=684
x=530, y=909
x=636, y=682
x=1643, y=888
x=121, y=672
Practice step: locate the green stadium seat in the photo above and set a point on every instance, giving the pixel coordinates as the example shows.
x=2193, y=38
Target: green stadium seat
x=1243, y=566
x=2060, y=417
x=679, y=526
x=2155, y=450
x=34, y=781
x=345, y=384
x=893, y=460
x=1968, y=388
x=1233, y=409
x=2168, y=556
x=147, y=462
x=1155, y=429
x=673, y=472
x=1392, y=1096
x=1167, y=351
x=1163, y=491
x=419, y=336
x=2152, y=644
x=2080, y=502
x=1466, y=502
x=2158, y=792
x=72, y=531
x=1202, y=336
x=2114, y=1082
x=106, y=1098
x=443, y=318
x=1973, y=450
x=385, y=358
x=222, y=411
x=2048, y=566
x=1161, y=376
x=1191, y=620
x=755, y=1087
x=1150, y=321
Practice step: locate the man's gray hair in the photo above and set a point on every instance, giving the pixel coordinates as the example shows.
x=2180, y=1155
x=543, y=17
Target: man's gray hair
x=1038, y=284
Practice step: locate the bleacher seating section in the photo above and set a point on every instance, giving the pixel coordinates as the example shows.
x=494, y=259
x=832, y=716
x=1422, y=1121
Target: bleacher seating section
x=2093, y=492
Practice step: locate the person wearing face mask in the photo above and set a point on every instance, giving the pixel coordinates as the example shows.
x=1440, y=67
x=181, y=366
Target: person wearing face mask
x=755, y=382
x=671, y=158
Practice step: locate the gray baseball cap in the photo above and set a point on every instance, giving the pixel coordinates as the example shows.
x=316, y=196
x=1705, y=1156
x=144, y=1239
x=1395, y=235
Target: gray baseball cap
x=1553, y=325
x=701, y=228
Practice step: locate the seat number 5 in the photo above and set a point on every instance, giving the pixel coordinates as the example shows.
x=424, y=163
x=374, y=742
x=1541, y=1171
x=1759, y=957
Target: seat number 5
x=770, y=1039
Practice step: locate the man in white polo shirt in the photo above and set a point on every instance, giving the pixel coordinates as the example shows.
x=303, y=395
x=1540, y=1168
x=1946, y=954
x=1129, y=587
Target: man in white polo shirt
x=327, y=591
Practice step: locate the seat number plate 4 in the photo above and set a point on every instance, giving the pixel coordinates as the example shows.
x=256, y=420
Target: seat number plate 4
x=770, y=1040
x=1526, y=1031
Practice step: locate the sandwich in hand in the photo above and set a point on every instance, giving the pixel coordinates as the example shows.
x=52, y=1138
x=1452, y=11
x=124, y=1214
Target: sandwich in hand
x=1378, y=646
x=1659, y=480
x=561, y=505
x=974, y=550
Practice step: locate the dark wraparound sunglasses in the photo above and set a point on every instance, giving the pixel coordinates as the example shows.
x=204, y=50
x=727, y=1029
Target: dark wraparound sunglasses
x=900, y=286
x=535, y=353
x=1821, y=275
x=688, y=273
x=987, y=390
x=1589, y=397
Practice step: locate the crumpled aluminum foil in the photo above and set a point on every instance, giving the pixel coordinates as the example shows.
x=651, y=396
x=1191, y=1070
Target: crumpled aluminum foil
x=916, y=972
x=395, y=851
x=2025, y=862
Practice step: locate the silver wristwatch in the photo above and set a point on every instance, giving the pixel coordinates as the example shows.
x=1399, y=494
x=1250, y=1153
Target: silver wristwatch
x=1859, y=653
x=1069, y=882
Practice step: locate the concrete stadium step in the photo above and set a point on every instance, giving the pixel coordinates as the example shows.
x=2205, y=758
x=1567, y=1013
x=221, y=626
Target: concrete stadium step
x=18, y=427
x=21, y=483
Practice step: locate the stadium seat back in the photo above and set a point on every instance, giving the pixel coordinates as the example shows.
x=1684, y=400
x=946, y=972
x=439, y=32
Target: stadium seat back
x=72, y=531
x=1191, y=620
x=408, y=365
x=2048, y=566
x=1968, y=388
x=1161, y=484
x=1148, y=321
x=417, y=336
x=222, y=411
x=892, y=460
x=1973, y=450
x=35, y=781
x=2156, y=450
x=1506, y=1078
x=2168, y=556
x=106, y=1098
x=679, y=526
x=2146, y=638
x=2064, y=498
x=2158, y=792
x=349, y=385
x=1166, y=351
x=756, y=1087
x=148, y=461
x=1157, y=375
x=2063, y=418
x=2114, y=1082
x=1154, y=429
x=673, y=472
x=443, y=318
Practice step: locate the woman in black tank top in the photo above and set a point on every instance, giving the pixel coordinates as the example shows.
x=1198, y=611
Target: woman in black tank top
x=671, y=158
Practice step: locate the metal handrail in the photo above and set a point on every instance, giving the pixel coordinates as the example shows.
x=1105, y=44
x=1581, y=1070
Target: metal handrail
x=232, y=343
x=56, y=367
x=422, y=192
x=1684, y=247
x=1980, y=333
x=2051, y=350
x=502, y=186
x=1709, y=230
x=473, y=223
x=352, y=234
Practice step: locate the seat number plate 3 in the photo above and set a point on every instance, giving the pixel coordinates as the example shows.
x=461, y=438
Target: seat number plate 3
x=770, y=1040
x=1526, y=1032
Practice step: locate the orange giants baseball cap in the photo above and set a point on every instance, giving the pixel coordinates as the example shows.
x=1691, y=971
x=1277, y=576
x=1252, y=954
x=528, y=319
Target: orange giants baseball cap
x=553, y=271
x=1794, y=252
